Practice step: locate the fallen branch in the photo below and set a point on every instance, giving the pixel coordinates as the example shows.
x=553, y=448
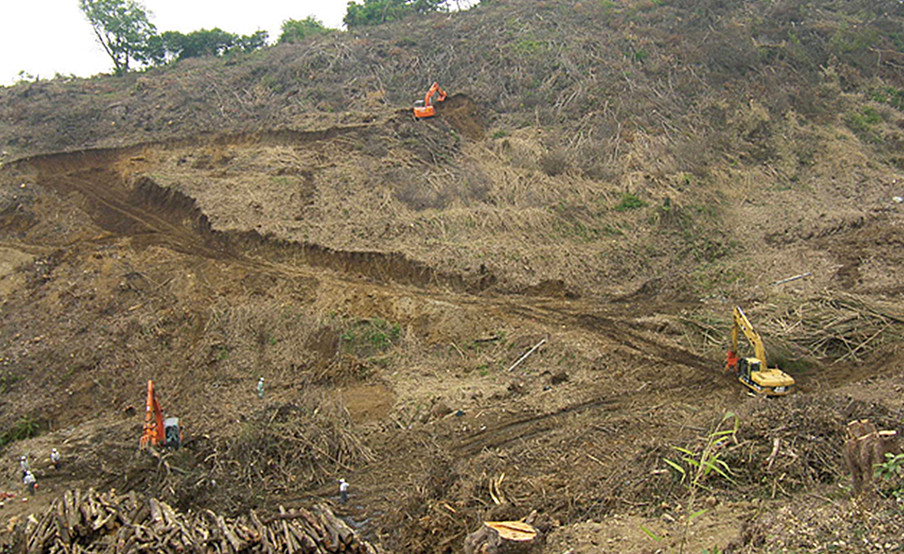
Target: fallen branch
x=529, y=352
x=771, y=459
x=789, y=279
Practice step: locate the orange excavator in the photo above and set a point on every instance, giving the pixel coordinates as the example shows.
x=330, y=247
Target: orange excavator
x=426, y=108
x=159, y=431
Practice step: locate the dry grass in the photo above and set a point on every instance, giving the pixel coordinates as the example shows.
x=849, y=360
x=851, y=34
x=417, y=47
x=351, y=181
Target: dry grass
x=841, y=326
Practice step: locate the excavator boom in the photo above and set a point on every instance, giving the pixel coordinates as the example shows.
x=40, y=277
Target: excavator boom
x=159, y=431
x=753, y=371
x=743, y=324
x=428, y=109
x=153, y=421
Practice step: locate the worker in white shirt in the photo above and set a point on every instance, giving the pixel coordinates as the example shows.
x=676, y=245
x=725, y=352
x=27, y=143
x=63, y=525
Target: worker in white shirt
x=343, y=491
x=30, y=482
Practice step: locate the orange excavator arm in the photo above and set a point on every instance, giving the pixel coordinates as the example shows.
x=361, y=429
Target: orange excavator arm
x=428, y=109
x=154, y=433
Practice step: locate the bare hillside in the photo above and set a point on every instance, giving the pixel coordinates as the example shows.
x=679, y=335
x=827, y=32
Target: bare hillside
x=605, y=182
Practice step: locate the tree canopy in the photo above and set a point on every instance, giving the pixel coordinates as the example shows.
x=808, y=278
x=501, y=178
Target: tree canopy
x=123, y=29
x=294, y=30
x=127, y=35
x=375, y=12
x=209, y=42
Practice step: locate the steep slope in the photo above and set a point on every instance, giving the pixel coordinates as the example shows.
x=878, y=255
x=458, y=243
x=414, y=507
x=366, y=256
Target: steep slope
x=606, y=181
x=691, y=132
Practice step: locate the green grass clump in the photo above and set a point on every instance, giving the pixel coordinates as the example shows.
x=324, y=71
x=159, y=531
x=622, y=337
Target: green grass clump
x=368, y=337
x=629, y=202
x=24, y=428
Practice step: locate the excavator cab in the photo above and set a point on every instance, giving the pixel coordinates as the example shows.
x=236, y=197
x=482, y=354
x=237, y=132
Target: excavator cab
x=771, y=382
x=746, y=366
x=426, y=108
x=172, y=432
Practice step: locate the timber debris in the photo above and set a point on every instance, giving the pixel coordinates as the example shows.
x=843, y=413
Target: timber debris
x=108, y=522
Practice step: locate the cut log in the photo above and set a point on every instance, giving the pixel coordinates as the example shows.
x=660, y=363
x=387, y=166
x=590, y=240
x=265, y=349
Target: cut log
x=129, y=523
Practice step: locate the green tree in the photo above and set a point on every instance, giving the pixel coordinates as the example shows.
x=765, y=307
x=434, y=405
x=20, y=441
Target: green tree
x=294, y=30
x=123, y=29
x=209, y=42
x=254, y=41
x=206, y=42
x=375, y=12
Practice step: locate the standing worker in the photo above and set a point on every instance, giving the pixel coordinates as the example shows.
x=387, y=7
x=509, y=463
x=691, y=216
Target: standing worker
x=30, y=482
x=343, y=491
x=260, y=388
x=23, y=465
x=55, y=458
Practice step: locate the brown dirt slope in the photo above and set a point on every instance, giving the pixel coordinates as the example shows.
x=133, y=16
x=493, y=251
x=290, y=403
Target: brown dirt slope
x=613, y=195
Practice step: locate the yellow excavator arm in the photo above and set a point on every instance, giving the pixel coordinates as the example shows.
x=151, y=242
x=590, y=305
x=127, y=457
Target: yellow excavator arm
x=753, y=372
x=742, y=323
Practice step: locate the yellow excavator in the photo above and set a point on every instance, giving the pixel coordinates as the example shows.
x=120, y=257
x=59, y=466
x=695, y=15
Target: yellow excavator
x=753, y=371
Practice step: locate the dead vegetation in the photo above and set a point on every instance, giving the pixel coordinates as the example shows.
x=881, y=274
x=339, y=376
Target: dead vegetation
x=613, y=177
x=292, y=445
x=108, y=522
x=842, y=326
x=833, y=327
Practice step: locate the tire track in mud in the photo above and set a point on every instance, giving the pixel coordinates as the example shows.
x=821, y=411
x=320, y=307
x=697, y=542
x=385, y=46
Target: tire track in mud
x=169, y=218
x=579, y=314
x=116, y=212
x=522, y=427
x=157, y=215
x=146, y=209
x=196, y=238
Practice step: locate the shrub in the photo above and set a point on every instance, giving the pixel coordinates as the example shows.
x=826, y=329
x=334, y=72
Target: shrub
x=862, y=122
x=370, y=336
x=891, y=471
x=375, y=12
x=294, y=30
x=629, y=202
x=25, y=428
x=554, y=162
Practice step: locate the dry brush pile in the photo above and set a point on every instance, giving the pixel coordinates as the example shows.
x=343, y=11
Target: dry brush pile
x=782, y=448
x=832, y=326
x=840, y=326
x=293, y=444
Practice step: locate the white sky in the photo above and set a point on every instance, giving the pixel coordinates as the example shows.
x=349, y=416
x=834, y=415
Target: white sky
x=46, y=37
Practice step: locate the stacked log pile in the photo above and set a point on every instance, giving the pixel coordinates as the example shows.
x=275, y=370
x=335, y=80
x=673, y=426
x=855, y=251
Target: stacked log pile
x=107, y=522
